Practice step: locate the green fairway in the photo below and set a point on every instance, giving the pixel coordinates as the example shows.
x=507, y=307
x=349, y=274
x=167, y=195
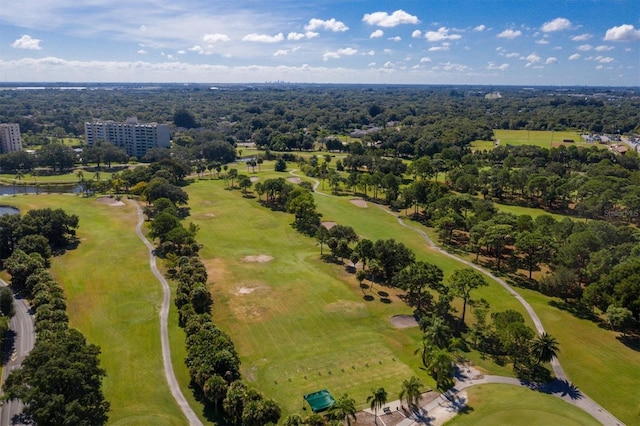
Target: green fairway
x=114, y=299
x=298, y=323
x=498, y=404
x=540, y=138
x=594, y=359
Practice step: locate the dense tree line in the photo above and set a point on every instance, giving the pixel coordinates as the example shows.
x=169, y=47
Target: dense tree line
x=60, y=380
x=213, y=363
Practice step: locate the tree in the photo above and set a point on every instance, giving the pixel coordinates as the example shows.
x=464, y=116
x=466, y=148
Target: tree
x=281, y=165
x=440, y=364
x=322, y=235
x=6, y=302
x=377, y=399
x=463, y=281
x=411, y=391
x=535, y=248
x=59, y=382
x=343, y=409
x=544, y=348
x=619, y=318
x=245, y=183
x=419, y=279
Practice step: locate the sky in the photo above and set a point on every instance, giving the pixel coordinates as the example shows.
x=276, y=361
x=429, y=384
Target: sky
x=490, y=42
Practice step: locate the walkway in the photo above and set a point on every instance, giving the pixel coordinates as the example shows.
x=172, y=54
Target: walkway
x=561, y=387
x=164, y=333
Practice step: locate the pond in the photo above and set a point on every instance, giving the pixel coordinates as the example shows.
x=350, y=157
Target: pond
x=8, y=210
x=39, y=189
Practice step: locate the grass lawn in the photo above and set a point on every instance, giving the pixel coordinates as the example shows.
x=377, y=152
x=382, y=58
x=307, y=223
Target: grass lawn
x=540, y=138
x=114, y=299
x=498, y=404
x=594, y=359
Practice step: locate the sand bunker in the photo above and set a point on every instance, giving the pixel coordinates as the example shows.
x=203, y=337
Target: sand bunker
x=403, y=321
x=294, y=180
x=358, y=202
x=254, y=178
x=328, y=225
x=110, y=201
x=261, y=258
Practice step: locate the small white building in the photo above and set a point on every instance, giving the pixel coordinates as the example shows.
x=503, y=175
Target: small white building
x=10, y=139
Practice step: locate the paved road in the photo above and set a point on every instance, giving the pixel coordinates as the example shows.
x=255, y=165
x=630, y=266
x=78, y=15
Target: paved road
x=164, y=333
x=22, y=331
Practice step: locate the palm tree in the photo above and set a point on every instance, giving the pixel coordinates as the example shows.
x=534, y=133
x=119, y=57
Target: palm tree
x=377, y=399
x=343, y=409
x=441, y=367
x=544, y=348
x=411, y=391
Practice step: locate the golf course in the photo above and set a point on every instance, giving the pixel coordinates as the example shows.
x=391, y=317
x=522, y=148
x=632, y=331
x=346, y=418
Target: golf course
x=300, y=324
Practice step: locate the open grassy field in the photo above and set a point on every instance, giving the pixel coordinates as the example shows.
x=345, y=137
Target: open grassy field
x=114, y=299
x=594, y=358
x=541, y=138
x=498, y=404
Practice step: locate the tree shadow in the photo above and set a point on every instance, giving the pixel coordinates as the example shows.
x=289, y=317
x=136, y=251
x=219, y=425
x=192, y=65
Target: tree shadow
x=383, y=294
x=576, y=309
x=368, y=297
x=364, y=286
x=630, y=341
x=8, y=346
x=560, y=387
x=385, y=300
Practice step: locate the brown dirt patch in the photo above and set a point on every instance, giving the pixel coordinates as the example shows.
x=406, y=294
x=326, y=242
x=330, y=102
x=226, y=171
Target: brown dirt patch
x=359, y=202
x=403, y=321
x=245, y=288
x=216, y=270
x=260, y=258
x=294, y=180
x=110, y=201
x=328, y=225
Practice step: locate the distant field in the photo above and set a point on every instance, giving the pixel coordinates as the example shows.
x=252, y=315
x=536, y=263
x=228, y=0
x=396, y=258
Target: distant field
x=541, y=138
x=498, y=404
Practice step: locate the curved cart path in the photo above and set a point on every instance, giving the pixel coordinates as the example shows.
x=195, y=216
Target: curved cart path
x=561, y=387
x=164, y=333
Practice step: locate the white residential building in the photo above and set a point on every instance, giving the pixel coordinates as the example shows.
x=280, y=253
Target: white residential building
x=10, y=139
x=135, y=138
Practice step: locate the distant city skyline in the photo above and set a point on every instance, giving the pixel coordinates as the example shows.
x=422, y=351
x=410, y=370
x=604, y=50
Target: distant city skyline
x=490, y=42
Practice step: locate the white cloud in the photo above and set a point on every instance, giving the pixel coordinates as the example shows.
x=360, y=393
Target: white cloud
x=329, y=25
x=493, y=66
x=604, y=59
x=197, y=48
x=448, y=66
x=557, y=24
x=377, y=34
x=512, y=55
x=510, y=34
x=624, y=32
x=348, y=51
x=311, y=34
x=416, y=34
x=440, y=35
x=215, y=38
x=442, y=48
x=533, y=58
x=181, y=52
x=603, y=48
x=551, y=60
x=480, y=28
x=295, y=36
x=383, y=19
x=27, y=42
x=585, y=47
x=281, y=52
x=263, y=38
x=396, y=38
x=542, y=41
x=581, y=37
x=574, y=57
x=425, y=59
x=142, y=52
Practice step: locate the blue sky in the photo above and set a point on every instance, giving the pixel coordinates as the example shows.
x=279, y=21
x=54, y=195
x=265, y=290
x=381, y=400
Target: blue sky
x=515, y=42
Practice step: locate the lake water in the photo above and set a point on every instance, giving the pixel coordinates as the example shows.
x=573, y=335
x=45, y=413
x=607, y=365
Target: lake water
x=8, y=210
x=39, y=189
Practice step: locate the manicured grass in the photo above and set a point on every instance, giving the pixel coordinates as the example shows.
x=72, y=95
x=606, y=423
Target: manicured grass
x=114, y=299
x=594, y=358
x=531, y=211
x=498, y=404
x=540, y=138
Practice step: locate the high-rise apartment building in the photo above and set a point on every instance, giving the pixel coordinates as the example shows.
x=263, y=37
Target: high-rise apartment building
x=10, y=139
x=135, y=138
